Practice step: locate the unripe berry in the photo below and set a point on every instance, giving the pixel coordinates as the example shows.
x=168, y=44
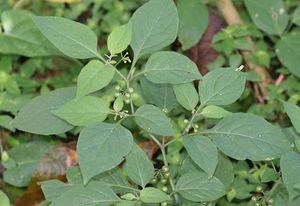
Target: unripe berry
x=164, y=204
x=154, y=181
x=130, y=90
x=259, y=189
x=165, y=169
x=167, y=175
x=164, y=181
x=164, y=189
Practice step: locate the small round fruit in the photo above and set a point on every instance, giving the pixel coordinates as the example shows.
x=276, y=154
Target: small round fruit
x=164, y=204
x=154, y=181
x=164, y=189
x=271, y=201
x=259, y=189
x=130, y=90
x=165, y=169
x=164, y=181
x=167, y=175
x=117, y=88
x=254, y=199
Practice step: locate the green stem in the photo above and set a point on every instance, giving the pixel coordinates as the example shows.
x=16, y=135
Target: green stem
x=192, y=119
x=163, y=152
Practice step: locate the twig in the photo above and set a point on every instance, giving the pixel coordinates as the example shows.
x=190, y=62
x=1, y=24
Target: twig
x=232, y=17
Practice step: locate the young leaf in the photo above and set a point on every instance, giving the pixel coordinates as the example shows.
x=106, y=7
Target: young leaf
x=221, y=87
x=94, y=194
x=71, y=38
x=160, y=95
x=288, y=52
x=153, y=120
x=198, y=187
x=24, y=40
x=119, y=39
x=154, y=26
x=246, y=136
x=140, y=169
x=203, y=152
x=36, y=116
x=290, y=167
x=212, y=111
x=269, y=16
x=153, y=195
x=102, y=147
x=293, y=112
x=177, y=67
x=94, y=76
x=86, y=110
x=193, y=20
x=186, y=95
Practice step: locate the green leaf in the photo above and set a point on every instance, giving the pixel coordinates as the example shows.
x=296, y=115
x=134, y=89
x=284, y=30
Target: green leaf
x=154, y=26
x=4, y=201
x=290, y=167
x=296, y=16
x=160, y=95
x=140, y=169
x=269, y=16
x=24, y=40
x=221, y=87
x=36, y=116
x=153, y=120
x=246, y=136
x=224, y=171
x=94, y=194
x=215, y=112
x=52, y=189
x=119, y=39
x=198, y=187
x=93, y=77
x=116, y=180
x=71, y=38
x=6, y=122
x=153, y=195
x=177, y=67
x=25, y=158
x=288, y=52
x=193, y=20
x=86, y=110
x=102, y=147
x=186, y=95
x=203, y=152
x=293, y=111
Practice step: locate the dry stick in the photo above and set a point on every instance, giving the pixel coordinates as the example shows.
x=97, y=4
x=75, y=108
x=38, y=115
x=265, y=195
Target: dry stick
x=232, y=17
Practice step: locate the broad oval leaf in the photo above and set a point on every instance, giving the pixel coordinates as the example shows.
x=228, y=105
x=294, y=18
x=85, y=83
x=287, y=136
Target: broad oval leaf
x=119, y=39
x=296, y=16
x=290, y=167
x=160, y=95
x=4, y=201
x=94, y=194
x=71, y=38
x=198, y=187
x=221, y=87
x=24, y=40
x=84, y=111
x=154, y=26
x=140, y=169
x=269, y=16
x=193, y=20
x=293, y=111
x=153, y=195
x=203, y=152
x=246, y=136
x=93, y=77
x=186, y=95
x=36, y=116
x=153, y=120
x=288, y=52
x=52, y=189
x=102, y=147
x=177, y=67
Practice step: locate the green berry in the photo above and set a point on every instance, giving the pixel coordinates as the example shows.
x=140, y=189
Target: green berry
x=165, y=169
x=271, y=201
x=257, y=204
x=167, y=175
x=127, y=95
x=254, y=199
x=130, y=90
x=117, y=88
x=164, y=181
x=259, y=189
x=154, y=181
x=164, y=204
x=127, y=101
x=164, y=189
